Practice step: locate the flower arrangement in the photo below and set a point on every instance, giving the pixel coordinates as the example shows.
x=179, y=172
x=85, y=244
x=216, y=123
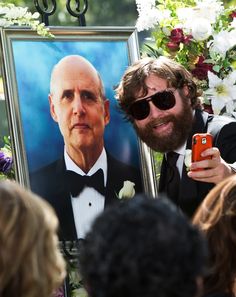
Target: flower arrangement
x=200, y=35
x=73, y=284
x=15, y=15
x=6, y=162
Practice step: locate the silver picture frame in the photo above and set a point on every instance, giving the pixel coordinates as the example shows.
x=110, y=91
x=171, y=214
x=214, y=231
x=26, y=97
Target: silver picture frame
x=27, y=59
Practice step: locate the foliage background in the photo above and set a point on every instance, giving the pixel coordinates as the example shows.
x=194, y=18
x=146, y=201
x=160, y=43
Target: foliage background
x=100, y=12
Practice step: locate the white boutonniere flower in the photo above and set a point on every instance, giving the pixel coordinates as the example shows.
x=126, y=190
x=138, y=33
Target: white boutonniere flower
x=127, y=191
x=188, y=159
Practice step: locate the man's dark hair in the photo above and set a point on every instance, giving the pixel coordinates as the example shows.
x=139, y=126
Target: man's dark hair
x=142, y=248
x=133, y=83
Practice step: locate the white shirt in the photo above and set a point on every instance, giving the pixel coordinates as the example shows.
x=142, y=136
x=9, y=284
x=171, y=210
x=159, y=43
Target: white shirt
x=181, y=151
x=89, y=203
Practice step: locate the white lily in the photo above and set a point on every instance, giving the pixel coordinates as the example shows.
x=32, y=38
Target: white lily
x=208, y=9
x=222, y=92
x=222, y=42
x=201, y=29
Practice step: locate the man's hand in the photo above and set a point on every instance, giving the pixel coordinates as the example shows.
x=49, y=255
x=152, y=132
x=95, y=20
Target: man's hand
x=210, y=171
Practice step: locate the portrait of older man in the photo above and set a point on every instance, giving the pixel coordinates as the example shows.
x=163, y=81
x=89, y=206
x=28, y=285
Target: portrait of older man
x=86, y=178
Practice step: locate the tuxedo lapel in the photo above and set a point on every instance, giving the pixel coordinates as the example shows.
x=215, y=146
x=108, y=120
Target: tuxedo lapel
x=188, y=187
x=199, y=125
x=162, y=175
x=114, y=183
x=117, y=173
x=63, y=205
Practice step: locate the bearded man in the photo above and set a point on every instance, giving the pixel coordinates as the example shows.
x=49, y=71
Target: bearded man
x=160, y=98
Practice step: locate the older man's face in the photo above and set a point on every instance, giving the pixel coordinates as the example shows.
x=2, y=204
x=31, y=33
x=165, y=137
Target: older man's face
x=77, y=106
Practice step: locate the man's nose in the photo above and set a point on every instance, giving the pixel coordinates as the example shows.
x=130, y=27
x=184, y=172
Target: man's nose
x=78, y=105
x=154, y=111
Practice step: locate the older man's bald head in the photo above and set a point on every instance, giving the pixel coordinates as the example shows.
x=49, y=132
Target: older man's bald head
x=75, y=66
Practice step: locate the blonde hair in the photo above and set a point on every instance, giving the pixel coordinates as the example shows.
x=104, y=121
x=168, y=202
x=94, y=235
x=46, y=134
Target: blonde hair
x=216, y=217
x=30, y=260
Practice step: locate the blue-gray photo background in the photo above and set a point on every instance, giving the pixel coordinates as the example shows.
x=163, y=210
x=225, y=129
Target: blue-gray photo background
x=34, y=61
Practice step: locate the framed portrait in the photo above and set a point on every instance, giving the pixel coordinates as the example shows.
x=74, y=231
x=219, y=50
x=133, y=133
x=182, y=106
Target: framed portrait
x=28, y=60
x=27, y=63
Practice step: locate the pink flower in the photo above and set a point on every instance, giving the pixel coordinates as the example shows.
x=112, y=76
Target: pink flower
x=177, y=35
x=233, y=14
x=172, y=46
x=201, y=69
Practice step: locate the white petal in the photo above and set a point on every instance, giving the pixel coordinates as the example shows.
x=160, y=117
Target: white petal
x=217, y=105
x=230, y=106
x=213, y=79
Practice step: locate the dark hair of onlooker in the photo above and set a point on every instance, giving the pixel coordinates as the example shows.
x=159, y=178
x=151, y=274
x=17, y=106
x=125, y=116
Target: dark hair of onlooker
x=142, y=248
x=216, y=217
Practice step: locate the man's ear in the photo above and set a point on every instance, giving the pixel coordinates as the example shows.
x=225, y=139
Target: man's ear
x=186, y=94
x=186, y=90
x=106, y=111
x=52, y=108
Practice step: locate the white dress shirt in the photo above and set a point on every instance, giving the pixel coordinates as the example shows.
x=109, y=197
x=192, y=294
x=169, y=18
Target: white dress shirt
x=89, y=203
x=181, y=151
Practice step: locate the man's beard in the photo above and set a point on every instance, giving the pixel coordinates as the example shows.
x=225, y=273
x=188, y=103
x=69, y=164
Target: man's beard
x=182, y=125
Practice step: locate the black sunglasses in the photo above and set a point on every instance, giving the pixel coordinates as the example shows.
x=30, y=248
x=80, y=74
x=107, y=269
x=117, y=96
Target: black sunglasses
x=164, y=100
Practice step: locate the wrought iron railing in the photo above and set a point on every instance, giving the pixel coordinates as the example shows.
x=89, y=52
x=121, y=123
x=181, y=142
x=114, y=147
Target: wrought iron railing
x=75, y=8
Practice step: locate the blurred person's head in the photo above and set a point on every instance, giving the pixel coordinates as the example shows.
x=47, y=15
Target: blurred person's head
x=216, y=217
x=143, y=247
x=31, y=263
x=78, y=104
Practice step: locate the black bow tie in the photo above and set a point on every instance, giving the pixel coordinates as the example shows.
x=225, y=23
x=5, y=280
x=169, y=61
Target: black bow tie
x=77, y=182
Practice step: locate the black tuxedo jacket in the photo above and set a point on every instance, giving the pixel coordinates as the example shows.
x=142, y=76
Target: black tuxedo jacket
x=50, y=183
x=223, y=130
